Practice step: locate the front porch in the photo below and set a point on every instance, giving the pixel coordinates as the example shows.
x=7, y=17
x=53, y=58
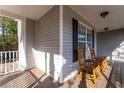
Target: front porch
x=35, y=78
x=48, y=44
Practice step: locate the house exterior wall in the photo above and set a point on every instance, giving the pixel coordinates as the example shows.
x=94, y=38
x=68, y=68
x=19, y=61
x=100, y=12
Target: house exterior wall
x=30, y=42
x=70, y=68
x=47, y=56
x=41, y=42
x=111, y=44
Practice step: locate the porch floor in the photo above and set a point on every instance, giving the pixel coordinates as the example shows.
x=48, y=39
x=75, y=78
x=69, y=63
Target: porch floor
x=35, y=78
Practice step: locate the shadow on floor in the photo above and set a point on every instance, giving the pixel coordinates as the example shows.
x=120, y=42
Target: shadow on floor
x=32, y=78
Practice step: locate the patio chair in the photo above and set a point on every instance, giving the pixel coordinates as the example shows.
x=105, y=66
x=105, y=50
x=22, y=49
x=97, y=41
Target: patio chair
x=103, y=63
x=87, y=68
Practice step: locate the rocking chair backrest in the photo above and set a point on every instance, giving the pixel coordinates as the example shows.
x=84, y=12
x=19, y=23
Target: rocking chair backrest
x=92, y=53
x=93, y=57
x=81, y=56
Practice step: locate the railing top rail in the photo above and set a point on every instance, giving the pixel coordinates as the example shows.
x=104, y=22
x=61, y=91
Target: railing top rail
x=8, y=51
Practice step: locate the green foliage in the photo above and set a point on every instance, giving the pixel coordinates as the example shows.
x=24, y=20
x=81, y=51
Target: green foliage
x=8, y=38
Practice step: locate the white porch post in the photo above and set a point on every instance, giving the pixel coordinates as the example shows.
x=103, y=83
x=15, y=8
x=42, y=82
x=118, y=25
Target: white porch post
x=61, y=42
x=22, y=43
x=95, y=41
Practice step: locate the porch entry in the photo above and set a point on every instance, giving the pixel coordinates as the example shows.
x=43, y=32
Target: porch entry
x=83, y=37
x=9, y=54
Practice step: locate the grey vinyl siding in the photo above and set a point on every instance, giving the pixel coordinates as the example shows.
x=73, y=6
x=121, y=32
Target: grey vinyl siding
x=68, y=14
x=109, y=41
x=48, y=39
x=48, y=31
x=30, y=42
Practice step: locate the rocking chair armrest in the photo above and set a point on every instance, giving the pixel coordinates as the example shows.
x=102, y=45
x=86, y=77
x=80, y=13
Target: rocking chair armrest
x=94, y=59
x=102, y=57
x=82, y=69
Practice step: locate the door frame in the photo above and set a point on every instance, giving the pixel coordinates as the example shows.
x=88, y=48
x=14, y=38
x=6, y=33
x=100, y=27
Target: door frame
x=21, y=22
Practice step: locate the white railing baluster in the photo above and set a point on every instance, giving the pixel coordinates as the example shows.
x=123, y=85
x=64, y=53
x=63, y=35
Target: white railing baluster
x=17, y=63
x=1, y=63
x=13, y=60
x=9, y=60
x=19, y=67
x=5, y=62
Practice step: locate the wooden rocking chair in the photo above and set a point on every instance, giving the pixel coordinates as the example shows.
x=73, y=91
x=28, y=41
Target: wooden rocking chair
x=86, y=68
x=101, y=60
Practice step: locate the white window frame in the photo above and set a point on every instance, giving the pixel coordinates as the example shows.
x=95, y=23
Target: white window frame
x=86, y=42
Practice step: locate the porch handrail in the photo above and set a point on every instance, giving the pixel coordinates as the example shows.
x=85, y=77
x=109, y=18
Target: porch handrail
x=7, y=51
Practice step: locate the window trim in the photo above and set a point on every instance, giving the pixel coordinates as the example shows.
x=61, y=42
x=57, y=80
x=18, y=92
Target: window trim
x=86, y=40
x=75, y=36
x=85, y=25
x=79, y=22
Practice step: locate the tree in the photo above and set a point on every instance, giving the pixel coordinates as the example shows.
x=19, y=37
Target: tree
x=8, y=38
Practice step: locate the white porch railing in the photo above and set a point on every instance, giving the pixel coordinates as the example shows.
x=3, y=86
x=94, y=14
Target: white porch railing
x=9, y=61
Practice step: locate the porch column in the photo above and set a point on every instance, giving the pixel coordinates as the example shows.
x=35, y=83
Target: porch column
x=61, y=42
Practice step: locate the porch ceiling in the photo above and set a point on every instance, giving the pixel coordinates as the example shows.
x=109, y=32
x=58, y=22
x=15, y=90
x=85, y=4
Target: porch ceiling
x=30, y=11
x=114, y=20
x=91, y=13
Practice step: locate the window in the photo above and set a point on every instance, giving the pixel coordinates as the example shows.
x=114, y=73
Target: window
x=84, y=38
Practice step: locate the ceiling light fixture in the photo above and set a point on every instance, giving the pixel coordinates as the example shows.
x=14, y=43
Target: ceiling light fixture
x=104, y=14
x=106, y=28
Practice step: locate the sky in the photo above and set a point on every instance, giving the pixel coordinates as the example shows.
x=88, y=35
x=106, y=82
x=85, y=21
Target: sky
x=0, y=30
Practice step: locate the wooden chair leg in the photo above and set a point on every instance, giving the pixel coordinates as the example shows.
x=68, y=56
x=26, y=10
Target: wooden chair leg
x=94, y=75
x=94, y=78
x=104, y=65
x=98, y=69
x=81, y=76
